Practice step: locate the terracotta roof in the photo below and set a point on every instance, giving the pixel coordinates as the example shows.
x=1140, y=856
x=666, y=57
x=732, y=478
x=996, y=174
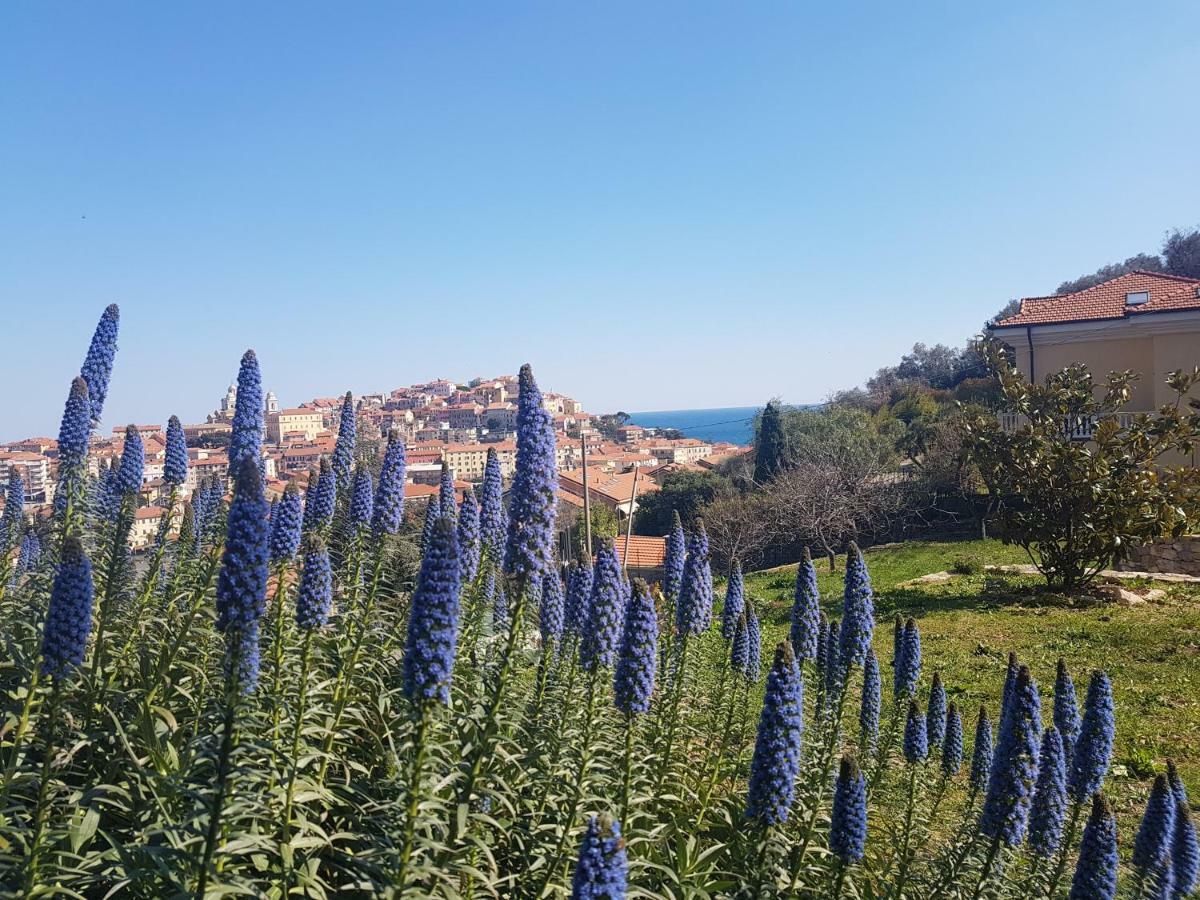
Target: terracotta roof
x=644, y=552
x=1107, y=301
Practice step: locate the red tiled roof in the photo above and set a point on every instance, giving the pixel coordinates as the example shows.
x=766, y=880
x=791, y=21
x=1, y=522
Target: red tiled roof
x=1107, y=300
x=644, y=552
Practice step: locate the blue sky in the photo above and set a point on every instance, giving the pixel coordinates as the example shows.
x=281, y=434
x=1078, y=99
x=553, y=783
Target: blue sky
x=660, y=205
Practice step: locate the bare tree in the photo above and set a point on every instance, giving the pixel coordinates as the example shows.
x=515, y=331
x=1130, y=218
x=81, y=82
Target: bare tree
x=832, y=495
x=740, y=527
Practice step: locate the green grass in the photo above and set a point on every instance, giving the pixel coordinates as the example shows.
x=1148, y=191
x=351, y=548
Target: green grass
x=969, y=625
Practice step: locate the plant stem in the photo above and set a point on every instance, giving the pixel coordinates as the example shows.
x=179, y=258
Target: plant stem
x=1061, y=863
x=14, y=756
x=421, y=723
x=294, y=758
x=576, y=789
x=233, y=694
x=988, y=862
x=628, y=772
x=902, y=876
x=43, y=795
x=672, y=715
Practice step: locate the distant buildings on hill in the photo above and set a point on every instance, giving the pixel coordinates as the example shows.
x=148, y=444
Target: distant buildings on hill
x=442, y=422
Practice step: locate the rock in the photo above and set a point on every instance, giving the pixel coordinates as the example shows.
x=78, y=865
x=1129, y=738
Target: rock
x=1154, y=595
x=1114, y=593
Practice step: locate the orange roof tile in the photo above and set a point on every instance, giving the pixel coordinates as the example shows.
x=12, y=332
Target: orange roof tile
x=643, y=552
x=1107, y=300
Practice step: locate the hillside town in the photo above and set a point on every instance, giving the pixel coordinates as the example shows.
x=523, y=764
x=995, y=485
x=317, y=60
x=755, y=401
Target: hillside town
x=442, y=423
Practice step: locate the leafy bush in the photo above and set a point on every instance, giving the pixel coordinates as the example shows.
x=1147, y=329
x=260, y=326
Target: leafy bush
x=1075, y=504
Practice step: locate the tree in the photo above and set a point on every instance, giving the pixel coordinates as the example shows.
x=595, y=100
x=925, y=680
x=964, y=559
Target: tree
x=739, y=526
x=771, y=454
x=684, y=492
x=1181, y=251
x=833, y=493
x=1145, y=262
x=1076, y=505
x=610, y=424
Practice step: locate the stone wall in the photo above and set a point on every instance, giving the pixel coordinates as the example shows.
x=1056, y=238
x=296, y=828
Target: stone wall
x=1181, y=555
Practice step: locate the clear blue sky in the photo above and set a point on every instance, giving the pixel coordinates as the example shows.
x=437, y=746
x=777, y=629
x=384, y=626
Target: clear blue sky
x=659, y=205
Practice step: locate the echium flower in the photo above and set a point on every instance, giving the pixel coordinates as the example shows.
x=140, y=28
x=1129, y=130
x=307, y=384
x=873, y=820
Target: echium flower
x=1014, y=764
x=1185, y=851
x=468, y=538
x=30, y=552
x=533, y=503
x=69, y=615
x=1177, y=786
x=447, y=500
x=1157, y=827
x=822, y=640
x=848, y=820
x=1159, y=883
x=389, y=493
x=550, y=609
x=1010, y=678
x=433, y=622
x=501, y=617
x=693, y=614
x=633, y=680
x=806, y=610
x=579, y=592
x=935, y=712
x=754, y=642
x=833, y=670
x=242, y=583
x=602, y=870
x=739, y=647
x=175, y=462
x=362, y=498
x=98, y=364
x=432, y=514
x=907, y=662
x=776, y=760
x=347, y=437
x=981, y=753
x=493, y=524
x=735, y=601
x=322, y=497
x=14, y=506
x=858, y=610
x=316, y=587
x=674, y=561
x=952, y=742
x=916, y=738
x=133, y=462
x=73, y=446
x=1066, y=711
x=1093, y=748
x=246, y=437
x=1049, y=797
x=602, y=630
x=868, y=710
x=1096, y=870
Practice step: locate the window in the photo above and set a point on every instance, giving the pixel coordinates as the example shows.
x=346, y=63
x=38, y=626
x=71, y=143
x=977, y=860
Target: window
x=1137, y=298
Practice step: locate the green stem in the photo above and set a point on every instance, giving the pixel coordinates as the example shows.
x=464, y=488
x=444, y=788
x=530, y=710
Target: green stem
x=902, y=876
x=1060, y=863
x=233, y=693
x=988, y=862
x=672, y=716
x=294, y=759
x=14, y=755
x=43, y=795
x=421, y=716
x=576, y=789
x=628, y=772
x=838, y=877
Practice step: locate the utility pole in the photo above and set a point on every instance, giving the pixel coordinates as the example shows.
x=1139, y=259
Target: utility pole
x=629, y=521
x=587, y=506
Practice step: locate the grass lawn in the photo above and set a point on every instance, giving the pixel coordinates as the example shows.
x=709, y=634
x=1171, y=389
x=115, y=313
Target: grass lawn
x=968, y=626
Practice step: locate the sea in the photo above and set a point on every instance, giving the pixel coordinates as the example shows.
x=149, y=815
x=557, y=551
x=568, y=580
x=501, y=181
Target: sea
x=734, y=424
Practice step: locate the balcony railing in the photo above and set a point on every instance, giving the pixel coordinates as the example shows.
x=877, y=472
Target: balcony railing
x=1077, y=428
